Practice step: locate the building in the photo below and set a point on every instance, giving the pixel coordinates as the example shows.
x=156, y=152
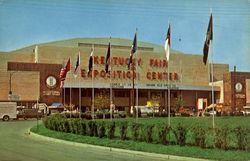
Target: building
x=32, y=73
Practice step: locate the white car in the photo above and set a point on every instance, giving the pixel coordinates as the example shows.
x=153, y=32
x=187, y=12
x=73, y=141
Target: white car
x=246, y=110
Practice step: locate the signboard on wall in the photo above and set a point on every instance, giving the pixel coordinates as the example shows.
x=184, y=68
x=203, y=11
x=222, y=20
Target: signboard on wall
x=200, y=103
x=13, y=97
x=248, y=91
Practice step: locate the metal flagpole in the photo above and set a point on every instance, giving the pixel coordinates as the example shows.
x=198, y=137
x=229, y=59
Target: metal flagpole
x=168, y=75
x=64, y=96
x=136, y=73
x=37, y=107
x=93, y=90
x=70, y=88
x=133, y=86
x=137, y=81
x=212, y=79
x=212, y=69
x=168, y=95
x=79, y=79
x=110, y=81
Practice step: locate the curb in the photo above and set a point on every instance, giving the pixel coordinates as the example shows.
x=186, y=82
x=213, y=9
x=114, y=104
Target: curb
x=163, y=156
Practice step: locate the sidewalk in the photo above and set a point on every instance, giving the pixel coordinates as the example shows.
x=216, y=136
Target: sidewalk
x=162, y=156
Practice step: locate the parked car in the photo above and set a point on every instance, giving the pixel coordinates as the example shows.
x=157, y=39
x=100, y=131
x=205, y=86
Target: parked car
x=43, y=108
x=246, y=110
x=185, y=111
x=55, y=108
x=56, y=104
x=26, y=113
x=210, y=113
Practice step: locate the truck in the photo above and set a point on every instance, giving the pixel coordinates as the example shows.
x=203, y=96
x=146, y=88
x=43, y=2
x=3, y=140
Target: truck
x=8, y=110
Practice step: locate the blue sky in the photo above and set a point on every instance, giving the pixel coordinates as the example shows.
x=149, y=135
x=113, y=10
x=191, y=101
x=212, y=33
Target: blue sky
x=27, y=22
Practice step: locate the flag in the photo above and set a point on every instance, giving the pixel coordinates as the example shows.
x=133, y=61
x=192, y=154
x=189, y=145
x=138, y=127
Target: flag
x=167, y=43
x=63, y=72
x=91, y=61
x=107, y=61
x=133, y=50
x=209, y=37
x=77, y=62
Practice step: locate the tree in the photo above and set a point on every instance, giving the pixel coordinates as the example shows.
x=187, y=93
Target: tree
x=102, y=101
x=179, y=103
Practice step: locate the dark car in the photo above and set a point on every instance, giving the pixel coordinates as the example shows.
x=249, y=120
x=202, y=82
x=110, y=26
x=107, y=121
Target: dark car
x=26, y=113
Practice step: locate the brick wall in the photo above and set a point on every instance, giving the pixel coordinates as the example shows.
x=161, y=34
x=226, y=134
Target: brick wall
x=47, y=95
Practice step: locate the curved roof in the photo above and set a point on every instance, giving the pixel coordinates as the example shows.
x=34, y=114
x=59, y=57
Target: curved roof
x=102, y=41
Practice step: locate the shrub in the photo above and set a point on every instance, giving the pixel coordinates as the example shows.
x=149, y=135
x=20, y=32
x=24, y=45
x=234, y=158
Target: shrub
x=199, y=134
x=76, y=126
x=135, y=131
x=241, y=135
x=54, y=122
x=111, y=130
x=45, y=122
x=92, y=128
x=123, y=130
x=180, y=134
x=148, y=134
x=67, y=126
x=101, y=129
x=221, y=138
x=163, y=131
x=83, y=128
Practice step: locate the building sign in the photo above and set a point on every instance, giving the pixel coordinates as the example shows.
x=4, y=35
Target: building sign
x=162, y=76
x=51, y=93
x=240, y=96
x=129, y=74
x=51, y=81
x=117, y=61
x=13, y=97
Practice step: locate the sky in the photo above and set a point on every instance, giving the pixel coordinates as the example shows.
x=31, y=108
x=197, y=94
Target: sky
x=28, y=22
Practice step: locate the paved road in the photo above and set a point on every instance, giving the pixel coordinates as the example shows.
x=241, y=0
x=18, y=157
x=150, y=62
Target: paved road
x=17, y=145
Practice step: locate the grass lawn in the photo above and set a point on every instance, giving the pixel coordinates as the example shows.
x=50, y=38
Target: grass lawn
x=189, y=151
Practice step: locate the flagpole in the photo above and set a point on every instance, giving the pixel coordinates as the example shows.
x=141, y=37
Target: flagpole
x=137, y=80
x=64, y=96
x=132, y=52
x=63, y=86
x=212, y=72
x=167, y=50
x=110, y=81
x=212, y=79
x=80, y=90
x=133, y=86
x=93, y=90
x=70, y=89
x=168, y=94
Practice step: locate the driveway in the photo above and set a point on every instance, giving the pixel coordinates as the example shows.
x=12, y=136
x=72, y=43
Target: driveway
x=17, y=145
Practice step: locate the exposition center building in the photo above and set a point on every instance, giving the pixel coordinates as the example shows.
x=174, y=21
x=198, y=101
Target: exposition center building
x=32, y=73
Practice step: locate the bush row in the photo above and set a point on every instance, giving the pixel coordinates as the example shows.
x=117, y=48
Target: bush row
x=222, y=138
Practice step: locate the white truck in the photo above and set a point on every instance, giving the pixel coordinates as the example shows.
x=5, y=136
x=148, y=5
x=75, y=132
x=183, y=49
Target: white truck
x=8, y=110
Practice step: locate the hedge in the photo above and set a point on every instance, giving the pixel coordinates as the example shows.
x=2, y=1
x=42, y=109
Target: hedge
x=222, y=138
